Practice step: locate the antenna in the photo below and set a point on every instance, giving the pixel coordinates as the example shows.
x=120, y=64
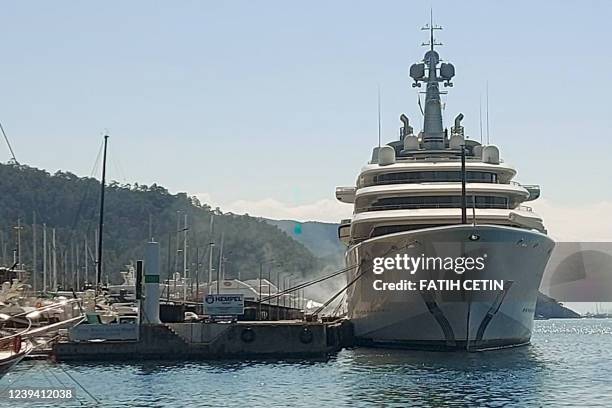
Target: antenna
x=480, y=115
x=431, y=31
x=487, y=112
x=9, y=145
x=431, y=27
x=379, y=132
x=419, y=102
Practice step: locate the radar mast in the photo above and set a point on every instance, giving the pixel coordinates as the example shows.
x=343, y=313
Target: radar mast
x=433, y=130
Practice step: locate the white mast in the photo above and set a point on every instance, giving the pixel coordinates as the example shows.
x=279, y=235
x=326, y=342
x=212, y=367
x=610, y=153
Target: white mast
x=85, y=259
x=54, y=254
x=185, y=260
x=178, y=249
x=78, y=286
x=44, y=287
x=19, y=228
x=219, y=270
x=210, y=254
x=72, y=276
x=96, y=249
x=64, y=260
x=34, y=253
x=211, y=245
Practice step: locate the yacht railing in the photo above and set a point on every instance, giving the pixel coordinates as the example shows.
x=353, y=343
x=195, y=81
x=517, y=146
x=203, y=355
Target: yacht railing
x=440, y=157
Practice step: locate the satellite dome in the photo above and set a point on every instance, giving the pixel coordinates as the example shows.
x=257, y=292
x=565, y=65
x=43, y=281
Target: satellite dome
x=455, y=142
x=417, y=71
x=432, y=55
x=411, y=142
x=447, y=70
x=386, y=155
x=490, y=154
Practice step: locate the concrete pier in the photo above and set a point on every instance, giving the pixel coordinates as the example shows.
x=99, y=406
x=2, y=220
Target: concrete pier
x=176, y=341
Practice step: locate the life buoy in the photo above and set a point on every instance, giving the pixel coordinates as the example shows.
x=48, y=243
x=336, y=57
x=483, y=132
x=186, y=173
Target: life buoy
x=306, y=335
x=247, y=335
x=17, y=344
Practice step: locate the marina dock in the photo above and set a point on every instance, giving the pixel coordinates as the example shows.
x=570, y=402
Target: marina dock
x=177, y=341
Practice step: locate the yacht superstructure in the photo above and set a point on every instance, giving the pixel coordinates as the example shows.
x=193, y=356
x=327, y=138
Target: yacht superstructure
x=441, y=194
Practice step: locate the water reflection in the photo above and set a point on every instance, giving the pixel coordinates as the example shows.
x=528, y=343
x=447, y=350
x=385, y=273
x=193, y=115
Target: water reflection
x=445, y=379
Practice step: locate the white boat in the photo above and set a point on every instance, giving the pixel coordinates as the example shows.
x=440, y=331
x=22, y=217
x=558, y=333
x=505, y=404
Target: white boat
x=442, y=194
x=12, y=350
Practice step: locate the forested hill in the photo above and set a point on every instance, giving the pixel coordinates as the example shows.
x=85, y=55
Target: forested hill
x=70, y=204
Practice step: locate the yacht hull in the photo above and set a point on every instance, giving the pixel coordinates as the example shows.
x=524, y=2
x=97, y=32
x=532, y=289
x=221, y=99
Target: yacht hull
x=449, y=319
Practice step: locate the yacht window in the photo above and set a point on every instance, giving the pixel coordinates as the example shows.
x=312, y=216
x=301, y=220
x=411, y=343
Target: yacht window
x=397, y=203
x=434, y=176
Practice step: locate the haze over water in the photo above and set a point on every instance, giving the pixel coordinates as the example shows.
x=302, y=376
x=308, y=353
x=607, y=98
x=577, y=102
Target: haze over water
x=567, y=365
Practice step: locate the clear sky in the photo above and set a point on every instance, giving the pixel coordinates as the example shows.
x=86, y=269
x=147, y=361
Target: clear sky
x=266, y=106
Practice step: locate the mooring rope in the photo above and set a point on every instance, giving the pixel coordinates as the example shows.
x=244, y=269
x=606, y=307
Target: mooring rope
x=309, y=283
x=359, y=275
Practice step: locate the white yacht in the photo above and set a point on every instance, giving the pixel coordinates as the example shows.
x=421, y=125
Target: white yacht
x=440, y=194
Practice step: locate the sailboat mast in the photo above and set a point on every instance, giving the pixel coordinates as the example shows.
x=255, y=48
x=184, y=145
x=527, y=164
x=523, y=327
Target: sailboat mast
x=54, y=259
x=219, y=270
x=19, y=228
x=86, y=262
x=77, y=258
x=44, y=285
x=178, y=249
x=101, y=221
x=210, y=253
x=185, y=269
x=34, y=253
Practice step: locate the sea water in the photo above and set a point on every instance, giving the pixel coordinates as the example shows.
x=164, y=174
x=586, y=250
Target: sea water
x=568, y=364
